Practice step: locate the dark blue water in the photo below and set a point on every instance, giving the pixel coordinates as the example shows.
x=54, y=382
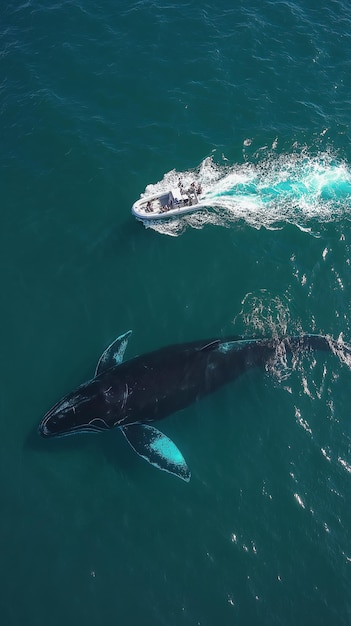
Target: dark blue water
x=100, y=101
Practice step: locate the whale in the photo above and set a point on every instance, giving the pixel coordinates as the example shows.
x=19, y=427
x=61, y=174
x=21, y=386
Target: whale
x=130, y=395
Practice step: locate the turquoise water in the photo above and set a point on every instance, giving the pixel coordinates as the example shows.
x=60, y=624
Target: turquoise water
x=99, y=101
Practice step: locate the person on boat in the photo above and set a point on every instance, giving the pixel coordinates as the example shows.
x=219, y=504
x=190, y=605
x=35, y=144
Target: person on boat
x=199, y=189
x=148, y=207
x=181, y=186
x=192, y=191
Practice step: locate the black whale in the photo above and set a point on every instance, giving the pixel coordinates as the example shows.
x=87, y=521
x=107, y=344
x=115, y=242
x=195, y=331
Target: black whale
x=132, y=394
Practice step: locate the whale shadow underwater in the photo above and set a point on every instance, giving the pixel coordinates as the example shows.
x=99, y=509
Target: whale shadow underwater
x=131, y=395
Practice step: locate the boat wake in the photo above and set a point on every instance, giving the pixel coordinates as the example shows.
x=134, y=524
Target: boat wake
x=299, y=189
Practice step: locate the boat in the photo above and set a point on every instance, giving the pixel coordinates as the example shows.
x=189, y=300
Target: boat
x=169, y=204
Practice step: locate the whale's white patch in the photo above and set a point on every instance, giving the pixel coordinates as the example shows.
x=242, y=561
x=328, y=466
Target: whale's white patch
x=234, y=345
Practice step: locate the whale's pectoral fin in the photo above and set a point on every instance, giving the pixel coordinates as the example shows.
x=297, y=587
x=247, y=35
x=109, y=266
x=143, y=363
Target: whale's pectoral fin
x=157, y=449
x=114, y=354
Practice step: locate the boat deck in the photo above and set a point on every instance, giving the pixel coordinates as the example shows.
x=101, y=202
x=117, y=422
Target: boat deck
x=167, y=204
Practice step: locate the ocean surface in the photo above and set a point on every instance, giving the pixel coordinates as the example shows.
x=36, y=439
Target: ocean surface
x=101, y=101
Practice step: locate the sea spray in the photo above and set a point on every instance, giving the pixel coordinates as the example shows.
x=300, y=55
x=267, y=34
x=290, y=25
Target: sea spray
x=296, y=188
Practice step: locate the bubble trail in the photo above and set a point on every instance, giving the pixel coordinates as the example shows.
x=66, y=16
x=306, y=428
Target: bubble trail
x=291, y=188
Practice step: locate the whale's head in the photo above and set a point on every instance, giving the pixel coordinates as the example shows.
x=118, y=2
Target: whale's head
x=87, y=409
